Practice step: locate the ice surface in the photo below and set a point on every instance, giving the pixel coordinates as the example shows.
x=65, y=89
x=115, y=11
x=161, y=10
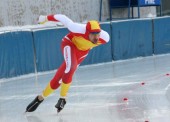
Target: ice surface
x=96, y=94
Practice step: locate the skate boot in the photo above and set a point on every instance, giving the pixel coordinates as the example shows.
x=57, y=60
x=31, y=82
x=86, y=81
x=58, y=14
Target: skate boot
x=33, y=105
x=60, y=105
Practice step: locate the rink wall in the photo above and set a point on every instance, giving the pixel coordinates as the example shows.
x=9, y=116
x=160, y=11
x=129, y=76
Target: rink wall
x=131, y=39
x=161, y=30
x=16, y=53
x=47, y=48
x=37, y=50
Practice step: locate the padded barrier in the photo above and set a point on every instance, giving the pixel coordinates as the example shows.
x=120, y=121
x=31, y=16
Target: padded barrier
x=161, y=35
x=131, y=39
x=16, y=53
x=48, y=50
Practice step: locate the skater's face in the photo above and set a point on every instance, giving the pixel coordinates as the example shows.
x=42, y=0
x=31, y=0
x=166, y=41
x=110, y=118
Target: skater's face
x=94, y=37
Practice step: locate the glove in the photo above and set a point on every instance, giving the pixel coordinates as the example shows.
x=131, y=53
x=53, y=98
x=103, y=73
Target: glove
x=42, y=19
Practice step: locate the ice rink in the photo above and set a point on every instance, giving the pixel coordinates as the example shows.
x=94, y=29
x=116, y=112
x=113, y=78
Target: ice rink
x=136, y=90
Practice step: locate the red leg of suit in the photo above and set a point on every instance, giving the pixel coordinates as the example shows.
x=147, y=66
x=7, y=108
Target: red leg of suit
x=72, y=58
x=55, y=81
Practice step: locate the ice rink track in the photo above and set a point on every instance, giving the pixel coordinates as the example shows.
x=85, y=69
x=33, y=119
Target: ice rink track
x=135, y=90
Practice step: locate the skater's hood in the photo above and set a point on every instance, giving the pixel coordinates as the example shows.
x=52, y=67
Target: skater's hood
x=93, y=26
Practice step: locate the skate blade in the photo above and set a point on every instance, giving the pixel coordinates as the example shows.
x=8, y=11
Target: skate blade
x=58, y=111
x=25, y=111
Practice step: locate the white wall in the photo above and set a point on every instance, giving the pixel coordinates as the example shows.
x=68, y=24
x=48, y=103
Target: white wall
x=26, y=12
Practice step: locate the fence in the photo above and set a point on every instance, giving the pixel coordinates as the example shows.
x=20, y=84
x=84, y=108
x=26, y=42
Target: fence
x=23, y=52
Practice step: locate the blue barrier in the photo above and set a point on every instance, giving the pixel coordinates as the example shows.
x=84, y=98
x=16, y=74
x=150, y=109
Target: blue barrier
x=47, y=46
x=101, y=53
x=161, y=35
x=16, y=54
x=131, y=39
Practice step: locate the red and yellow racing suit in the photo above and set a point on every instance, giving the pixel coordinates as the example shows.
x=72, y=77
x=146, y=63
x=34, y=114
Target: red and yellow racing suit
x=75, y=47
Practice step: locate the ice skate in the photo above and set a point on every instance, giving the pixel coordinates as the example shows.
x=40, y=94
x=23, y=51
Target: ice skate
x=33, y=105
x=60, y=105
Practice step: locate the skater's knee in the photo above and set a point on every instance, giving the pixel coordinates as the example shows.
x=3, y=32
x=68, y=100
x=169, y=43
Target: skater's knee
x=67, y=77
x=54, y=84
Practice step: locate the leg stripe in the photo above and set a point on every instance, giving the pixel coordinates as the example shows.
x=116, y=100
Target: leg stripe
x=67, y=58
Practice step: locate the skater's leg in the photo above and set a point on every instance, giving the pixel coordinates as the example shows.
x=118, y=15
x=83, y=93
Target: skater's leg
x=71, y=66
x=76, y=58
x=54, y=83
x=72, y=57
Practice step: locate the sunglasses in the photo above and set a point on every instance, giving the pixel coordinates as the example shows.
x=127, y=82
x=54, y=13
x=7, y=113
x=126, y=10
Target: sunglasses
x=95, y=32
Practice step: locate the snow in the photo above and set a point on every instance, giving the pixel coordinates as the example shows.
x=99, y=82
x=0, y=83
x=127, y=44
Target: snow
x=36, y=27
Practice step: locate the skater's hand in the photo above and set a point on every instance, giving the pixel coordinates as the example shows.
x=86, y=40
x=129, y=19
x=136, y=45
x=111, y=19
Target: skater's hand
x=42, y=19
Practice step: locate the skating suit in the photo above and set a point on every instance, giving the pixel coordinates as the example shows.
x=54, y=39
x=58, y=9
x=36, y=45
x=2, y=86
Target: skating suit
x=75, y=47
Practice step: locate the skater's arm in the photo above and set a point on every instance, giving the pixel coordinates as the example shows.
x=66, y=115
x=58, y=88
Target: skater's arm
x=67, y=22
x=104, y=37
x=60, y=18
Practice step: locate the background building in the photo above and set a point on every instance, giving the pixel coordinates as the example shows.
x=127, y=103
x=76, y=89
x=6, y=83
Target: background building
x=24, y=12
